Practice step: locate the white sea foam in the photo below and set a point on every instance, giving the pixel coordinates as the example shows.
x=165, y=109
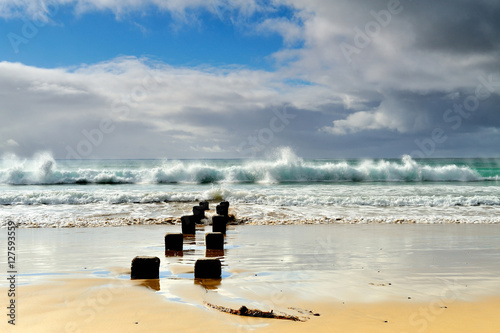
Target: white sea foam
x=287, y=196
x=102, y=214
x=43, y=169
x=285, y=189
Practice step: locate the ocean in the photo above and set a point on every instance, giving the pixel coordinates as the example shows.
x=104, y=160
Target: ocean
x=283, y=189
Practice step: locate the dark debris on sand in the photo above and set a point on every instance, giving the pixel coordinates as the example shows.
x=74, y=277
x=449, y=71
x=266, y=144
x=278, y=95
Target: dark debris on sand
x=244, y=311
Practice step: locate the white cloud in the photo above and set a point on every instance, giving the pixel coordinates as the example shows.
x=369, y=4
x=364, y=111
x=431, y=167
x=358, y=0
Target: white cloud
x=291, y=31
x=8, y=145
x=44, y=10
x=358, y=121
x=12, y=143
x=54, y=88
x=393, y=57
x=392, y=114
x=211, y=149
x=147, y=103
x=400, y=83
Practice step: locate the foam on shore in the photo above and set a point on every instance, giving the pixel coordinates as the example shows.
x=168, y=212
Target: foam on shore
x=104, y=215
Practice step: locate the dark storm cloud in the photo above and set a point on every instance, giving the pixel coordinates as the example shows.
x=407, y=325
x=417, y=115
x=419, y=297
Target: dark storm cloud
x=458, y=26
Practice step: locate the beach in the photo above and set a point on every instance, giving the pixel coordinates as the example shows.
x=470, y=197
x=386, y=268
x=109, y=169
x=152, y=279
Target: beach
x=350, y=148
x=396, y=245
x=356, y=277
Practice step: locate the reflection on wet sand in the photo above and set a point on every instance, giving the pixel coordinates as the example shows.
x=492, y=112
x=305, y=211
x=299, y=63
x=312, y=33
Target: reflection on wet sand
x=150, y=283
x=359, y=277
x=171, y=253
x=215, y=254
x=208, y=284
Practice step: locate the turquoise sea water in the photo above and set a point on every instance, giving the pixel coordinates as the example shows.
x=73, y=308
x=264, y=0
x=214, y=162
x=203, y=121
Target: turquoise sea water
x=284, y=189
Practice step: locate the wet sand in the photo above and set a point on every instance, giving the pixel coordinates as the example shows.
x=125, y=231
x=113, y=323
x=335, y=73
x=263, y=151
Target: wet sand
x=359, y=278
x=95, y=305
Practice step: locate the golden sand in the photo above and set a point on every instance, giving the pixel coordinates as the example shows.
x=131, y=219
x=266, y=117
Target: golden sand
x=112, y=305
x=358, y=278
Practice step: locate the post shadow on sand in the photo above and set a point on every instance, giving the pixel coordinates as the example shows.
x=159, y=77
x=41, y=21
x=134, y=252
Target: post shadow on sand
x=150, y=283
x=209, y=284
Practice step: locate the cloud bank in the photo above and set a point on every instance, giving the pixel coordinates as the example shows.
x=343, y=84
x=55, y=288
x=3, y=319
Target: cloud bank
x=352, y=79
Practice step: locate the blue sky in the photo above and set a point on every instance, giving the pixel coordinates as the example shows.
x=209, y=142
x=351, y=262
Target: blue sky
x=200, y=38
x=237, y=79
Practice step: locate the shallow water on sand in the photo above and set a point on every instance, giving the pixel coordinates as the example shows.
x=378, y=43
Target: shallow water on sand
x=262, y=263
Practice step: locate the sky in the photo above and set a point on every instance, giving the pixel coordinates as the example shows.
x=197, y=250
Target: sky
x=92, y=79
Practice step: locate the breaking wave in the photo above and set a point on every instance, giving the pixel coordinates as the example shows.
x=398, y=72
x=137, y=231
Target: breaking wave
x=286, y=167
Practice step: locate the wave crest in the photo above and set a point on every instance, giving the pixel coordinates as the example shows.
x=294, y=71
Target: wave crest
x=285, y=167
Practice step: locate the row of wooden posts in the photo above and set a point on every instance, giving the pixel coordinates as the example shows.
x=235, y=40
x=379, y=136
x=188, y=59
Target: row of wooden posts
x=205, y=268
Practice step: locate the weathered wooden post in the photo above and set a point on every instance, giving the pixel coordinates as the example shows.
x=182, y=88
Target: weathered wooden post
x=219, y=223
x=174, y=242
x=198, y=213
x=222, y=208
x=145, y=268
x=208, y=268
x=214, y=241
x=188, y=225
x=205, y=205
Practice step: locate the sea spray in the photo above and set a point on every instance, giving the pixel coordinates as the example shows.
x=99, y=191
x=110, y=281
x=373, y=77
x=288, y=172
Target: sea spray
x=286, y=167
x=283, y=188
